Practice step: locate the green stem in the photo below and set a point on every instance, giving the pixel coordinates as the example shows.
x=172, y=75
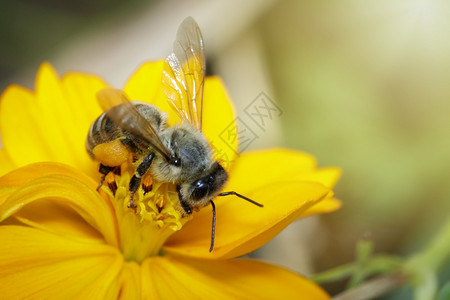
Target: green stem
x=376, y=265
x=423, y=266
x=438, y=250
x=419, y=270
x=373, y=288
x=334, y=274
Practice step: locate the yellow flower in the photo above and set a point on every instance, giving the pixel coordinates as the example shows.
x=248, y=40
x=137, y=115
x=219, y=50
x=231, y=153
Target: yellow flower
x=60, y=238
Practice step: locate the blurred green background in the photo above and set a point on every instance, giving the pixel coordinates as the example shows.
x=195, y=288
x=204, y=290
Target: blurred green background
x=363, y=85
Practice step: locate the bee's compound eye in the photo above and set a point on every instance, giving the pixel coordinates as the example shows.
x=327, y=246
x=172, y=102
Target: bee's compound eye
x=201, y=187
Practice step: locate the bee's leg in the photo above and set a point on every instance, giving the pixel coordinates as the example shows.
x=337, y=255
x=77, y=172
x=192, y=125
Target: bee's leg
x=135, y=181
x=104, y=170
x=185, y=206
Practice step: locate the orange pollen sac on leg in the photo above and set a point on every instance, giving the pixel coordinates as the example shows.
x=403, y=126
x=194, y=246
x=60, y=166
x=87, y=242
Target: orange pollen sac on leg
x=111, y=154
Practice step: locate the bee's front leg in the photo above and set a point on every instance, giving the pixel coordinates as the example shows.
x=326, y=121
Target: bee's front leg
x=185, y=206
x=135, y=181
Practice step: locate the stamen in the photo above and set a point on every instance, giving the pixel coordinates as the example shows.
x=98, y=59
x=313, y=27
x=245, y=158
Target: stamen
x=111, y=181
x=160, y=203
x=156, y=216
x=147, y=182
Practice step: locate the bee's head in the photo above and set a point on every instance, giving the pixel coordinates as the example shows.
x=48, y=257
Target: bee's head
x=199, y=192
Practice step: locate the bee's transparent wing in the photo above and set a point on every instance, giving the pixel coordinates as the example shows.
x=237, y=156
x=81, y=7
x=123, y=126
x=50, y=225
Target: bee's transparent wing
x=184, y=73
x=122, y=112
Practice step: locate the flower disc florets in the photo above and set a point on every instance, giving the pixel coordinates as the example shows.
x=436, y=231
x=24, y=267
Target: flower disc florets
x=156, y=216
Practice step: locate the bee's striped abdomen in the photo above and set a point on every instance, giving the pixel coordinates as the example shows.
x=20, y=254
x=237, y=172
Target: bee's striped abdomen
x=103, y=130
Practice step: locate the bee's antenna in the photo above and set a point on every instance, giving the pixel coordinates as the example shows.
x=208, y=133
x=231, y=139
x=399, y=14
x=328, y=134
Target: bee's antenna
x=213, y=232
x=240, y=196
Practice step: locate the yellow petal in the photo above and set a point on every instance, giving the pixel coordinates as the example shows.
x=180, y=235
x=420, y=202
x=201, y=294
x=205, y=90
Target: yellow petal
x=146, y=85
x=55, y=217
x=131, y=282
x=6, y=164
x=63, y=187
x=22, y=135
x=80, y=93
x=327, y=205
x=178, y=278
x=150, y=280
x=326, y=176
x=52, y=123
x=259, y=168
x=23, y=175
x=218, y=114
x=242, y=227
x=38, y=264
x=218, y=122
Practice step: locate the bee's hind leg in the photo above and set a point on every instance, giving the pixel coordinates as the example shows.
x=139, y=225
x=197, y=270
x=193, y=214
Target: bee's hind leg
x=104, y=170
x=135, y=181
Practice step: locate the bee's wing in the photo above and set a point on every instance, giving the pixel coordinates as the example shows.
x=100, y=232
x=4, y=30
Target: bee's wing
x=184, y=73
x=122, y=112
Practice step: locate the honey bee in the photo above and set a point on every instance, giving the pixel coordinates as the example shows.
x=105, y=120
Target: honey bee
x=178, y=154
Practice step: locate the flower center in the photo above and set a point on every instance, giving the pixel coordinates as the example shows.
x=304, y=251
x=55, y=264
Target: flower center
x=156, y=216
